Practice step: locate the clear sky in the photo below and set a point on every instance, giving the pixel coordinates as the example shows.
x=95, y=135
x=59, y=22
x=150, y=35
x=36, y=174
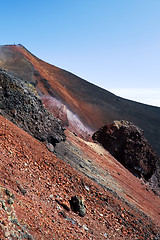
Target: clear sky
x=114, y=44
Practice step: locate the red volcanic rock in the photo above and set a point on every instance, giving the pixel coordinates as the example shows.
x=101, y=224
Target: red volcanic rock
x=126, y=142
x=118, y=206
x=43, y=187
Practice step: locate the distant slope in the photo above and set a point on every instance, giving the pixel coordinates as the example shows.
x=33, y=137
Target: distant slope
x=80, y=104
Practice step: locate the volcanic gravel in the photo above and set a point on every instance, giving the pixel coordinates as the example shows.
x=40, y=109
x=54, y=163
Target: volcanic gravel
x=36, y=187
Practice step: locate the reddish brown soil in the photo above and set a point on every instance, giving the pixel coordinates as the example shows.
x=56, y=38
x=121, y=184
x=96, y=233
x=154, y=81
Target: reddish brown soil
x=120, y=179
x=43, y=185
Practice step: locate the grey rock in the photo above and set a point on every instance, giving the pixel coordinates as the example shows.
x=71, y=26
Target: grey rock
x=50, y=147
x=10, y=201
x=77, y=205
x=20, y=103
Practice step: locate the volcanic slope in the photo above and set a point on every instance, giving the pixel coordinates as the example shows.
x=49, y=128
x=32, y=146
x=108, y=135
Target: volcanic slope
x=36, y=186
x=82, y=106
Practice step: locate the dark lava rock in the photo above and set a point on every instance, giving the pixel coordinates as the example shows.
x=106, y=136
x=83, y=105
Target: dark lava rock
x=8, y=193
x=20, y=103
x=126, y=142
x=77, y=205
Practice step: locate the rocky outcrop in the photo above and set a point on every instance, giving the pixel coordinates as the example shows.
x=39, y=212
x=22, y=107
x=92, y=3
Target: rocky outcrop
x=126, y=142
x=20, y=103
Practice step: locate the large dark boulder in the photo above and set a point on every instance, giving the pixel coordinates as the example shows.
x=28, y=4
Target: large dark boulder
x=126, y=142
x=20, y=103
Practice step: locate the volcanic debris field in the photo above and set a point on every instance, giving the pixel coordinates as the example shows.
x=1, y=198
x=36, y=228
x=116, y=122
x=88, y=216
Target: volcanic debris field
x=36, y=188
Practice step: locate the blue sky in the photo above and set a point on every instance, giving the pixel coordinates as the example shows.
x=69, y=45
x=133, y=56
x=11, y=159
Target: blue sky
x=114, y=44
